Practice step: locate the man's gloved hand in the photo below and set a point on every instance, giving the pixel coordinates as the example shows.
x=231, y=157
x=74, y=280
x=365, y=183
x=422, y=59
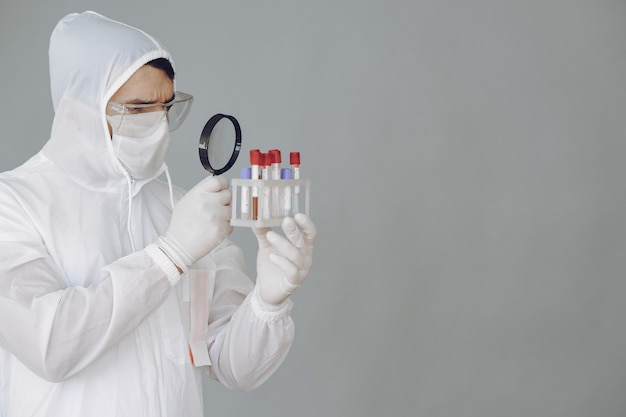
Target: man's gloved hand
x=200, y=222
x=284, y=262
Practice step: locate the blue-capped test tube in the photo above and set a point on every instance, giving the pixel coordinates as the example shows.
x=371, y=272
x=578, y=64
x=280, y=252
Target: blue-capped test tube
x=246, y=174
x=285, y=174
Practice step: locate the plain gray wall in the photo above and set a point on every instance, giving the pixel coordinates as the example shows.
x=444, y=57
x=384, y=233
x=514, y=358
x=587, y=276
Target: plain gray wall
x=467, y=167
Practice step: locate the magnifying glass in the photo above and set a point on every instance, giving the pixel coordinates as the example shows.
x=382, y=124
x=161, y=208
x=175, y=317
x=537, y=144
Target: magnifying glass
x=220, y=143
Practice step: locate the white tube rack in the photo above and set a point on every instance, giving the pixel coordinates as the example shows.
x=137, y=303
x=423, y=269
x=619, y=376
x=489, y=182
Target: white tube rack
x=271, y=202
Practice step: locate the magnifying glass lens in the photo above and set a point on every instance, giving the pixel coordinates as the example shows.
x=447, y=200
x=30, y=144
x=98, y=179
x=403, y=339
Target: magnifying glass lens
x=220, y=143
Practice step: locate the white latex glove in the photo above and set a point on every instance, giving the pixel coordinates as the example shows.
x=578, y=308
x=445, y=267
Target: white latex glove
x=283, y=263
x=200, y=221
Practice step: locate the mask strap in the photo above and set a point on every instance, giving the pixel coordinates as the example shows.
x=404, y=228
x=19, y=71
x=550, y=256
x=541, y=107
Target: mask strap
x=130, y=211
x=169, y=184
x=130, y=203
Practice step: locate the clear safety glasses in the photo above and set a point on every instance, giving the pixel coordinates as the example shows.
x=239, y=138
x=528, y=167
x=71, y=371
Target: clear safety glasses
x=138, y=120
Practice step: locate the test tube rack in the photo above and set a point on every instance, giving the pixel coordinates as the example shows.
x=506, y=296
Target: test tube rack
x=276, y=199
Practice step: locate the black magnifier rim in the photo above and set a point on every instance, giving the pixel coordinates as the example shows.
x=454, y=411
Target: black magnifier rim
x=203, y=146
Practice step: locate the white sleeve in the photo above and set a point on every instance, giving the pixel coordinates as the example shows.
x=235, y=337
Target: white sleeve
x=55, y=330
x=247, y=339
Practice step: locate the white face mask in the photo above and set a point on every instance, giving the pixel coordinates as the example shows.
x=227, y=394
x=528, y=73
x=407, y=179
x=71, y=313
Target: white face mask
x=142, y=156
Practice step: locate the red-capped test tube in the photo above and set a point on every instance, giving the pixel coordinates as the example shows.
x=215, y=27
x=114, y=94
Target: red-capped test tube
x=255, y=166
x=265, y=190
x=275, y=160
x=294, y=161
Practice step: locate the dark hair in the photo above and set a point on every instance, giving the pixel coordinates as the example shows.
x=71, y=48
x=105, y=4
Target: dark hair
x=163, y=64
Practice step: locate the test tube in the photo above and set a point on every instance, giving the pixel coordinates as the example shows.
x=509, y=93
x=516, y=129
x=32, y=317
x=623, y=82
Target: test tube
x=246, y=174
x=275, y=160
x=265, y=197
x=294, y=161
x=255, y=162
x=286, y=174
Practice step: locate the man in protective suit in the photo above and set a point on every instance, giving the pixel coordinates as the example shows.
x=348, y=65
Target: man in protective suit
x=117, y=290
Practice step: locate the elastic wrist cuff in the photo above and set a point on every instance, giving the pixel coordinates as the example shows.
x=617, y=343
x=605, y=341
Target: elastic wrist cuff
x=162, y=260
x=269, y=312
x=164, y=244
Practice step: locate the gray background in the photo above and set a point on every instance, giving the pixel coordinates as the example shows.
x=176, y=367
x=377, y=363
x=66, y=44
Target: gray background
x=467, y=167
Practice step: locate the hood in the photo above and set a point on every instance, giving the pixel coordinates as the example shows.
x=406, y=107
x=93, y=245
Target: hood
x=91, y=57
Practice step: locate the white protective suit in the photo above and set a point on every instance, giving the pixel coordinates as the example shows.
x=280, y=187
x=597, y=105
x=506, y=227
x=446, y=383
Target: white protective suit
x=91, y=327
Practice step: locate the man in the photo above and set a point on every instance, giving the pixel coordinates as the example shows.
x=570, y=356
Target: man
x=116, y=290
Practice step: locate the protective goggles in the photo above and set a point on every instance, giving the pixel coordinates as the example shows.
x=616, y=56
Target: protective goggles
x=137, y=120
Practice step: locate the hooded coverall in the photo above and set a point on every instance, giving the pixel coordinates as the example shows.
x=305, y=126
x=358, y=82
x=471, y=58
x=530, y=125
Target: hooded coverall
x=91, y=327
